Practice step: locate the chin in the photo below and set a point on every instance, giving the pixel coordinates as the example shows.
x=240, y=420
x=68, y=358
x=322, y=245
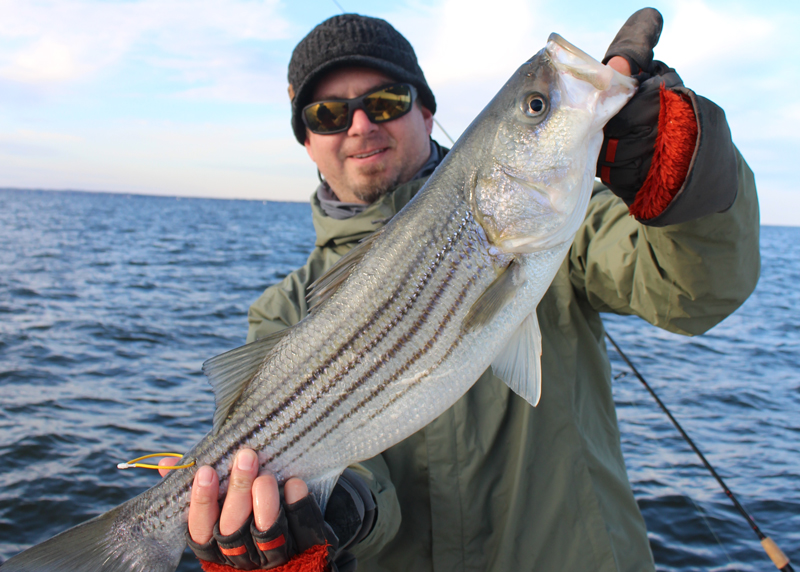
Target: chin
x=371, y=191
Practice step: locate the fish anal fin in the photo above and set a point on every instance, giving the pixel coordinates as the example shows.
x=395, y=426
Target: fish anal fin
x=230, y=373
x=321, y=488
x=520, y=362
x=325, y=286
x=496, y=296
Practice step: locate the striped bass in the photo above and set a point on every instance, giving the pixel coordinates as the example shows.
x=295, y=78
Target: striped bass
x=402, y=326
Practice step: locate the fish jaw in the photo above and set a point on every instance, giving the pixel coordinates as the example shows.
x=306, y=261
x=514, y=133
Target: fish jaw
x=537, y=186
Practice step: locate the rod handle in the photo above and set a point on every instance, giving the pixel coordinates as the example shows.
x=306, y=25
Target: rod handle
x=776, y=554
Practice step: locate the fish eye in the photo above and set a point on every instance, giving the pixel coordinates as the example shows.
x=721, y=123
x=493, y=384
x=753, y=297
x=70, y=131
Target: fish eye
x=534, y=105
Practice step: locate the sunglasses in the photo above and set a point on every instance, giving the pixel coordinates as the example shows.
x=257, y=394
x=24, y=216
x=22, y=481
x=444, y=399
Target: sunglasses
x=383, y=104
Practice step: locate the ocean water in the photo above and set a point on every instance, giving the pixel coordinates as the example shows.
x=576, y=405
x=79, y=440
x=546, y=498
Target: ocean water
x=109, y=304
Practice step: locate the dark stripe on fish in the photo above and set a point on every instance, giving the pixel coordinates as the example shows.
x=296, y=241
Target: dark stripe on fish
x=401, y=342
x=380, y=389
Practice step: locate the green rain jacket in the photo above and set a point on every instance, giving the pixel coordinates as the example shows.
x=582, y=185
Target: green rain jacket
x=497, y=485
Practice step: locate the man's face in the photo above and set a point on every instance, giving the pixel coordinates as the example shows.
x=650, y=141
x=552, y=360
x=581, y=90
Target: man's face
x=369, y=159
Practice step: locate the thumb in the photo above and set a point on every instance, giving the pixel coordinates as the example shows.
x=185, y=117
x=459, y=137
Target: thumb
x=620, y=64
x=636, y=39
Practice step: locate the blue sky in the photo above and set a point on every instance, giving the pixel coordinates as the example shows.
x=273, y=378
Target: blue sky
x=188, y=97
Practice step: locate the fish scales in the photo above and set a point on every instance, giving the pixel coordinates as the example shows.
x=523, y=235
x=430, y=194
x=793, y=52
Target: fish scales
x=448, y=288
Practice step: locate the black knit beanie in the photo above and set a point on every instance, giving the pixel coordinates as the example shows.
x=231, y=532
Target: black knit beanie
x=351, y=40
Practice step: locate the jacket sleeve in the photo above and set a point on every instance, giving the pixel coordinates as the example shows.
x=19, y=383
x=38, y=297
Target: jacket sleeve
x=375, y=473
x=710, y=185
x=686, y=277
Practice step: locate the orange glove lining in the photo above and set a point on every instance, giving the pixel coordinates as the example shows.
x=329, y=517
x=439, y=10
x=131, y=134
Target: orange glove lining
x=315, y=559
x=675, y=143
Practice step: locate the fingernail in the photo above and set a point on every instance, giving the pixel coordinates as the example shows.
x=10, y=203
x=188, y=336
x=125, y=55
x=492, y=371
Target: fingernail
x=245, y=460
x=204, y=476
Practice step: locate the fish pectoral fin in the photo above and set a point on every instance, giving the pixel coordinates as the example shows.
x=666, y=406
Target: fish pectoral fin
x=496, y=296
x=520, y=362
x=230, y=373
x=322, y=487
x=325, y=286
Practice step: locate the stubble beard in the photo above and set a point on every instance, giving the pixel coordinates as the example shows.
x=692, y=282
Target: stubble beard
x=375, y=186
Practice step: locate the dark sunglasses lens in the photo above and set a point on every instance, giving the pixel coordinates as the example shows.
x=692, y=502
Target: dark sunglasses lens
x=326, y=116
x=389, y=103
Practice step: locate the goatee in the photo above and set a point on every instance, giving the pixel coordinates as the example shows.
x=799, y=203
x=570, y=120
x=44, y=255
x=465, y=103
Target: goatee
x=373, y=190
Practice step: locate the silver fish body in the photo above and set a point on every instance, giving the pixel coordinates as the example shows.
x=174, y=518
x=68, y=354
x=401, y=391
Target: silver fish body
x=404, y=326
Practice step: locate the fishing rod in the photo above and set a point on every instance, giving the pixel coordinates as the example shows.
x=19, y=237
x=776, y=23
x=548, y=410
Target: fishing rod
x=775, y=554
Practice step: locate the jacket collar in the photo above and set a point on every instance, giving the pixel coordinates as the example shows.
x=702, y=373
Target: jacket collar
x=332, y=231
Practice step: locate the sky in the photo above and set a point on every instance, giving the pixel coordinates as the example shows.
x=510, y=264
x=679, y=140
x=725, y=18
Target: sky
x=188, y=97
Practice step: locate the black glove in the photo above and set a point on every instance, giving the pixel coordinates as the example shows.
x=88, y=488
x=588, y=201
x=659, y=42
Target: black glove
x=630, y=136
x=709, y=180
x=300, y=529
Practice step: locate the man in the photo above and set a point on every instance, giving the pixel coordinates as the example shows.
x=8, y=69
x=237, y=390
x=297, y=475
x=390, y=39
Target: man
x=494, y=484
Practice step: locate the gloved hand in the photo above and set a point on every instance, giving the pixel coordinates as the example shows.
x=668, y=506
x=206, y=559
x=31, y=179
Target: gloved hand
x=278, y=531
x=299, y=528
x=650, y=149
x=300, y=531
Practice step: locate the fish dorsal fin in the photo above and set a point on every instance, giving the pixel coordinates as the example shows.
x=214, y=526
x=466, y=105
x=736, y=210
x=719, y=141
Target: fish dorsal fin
x=230, y=373
x=520, y=362
x=324, y=286
x=496, y=296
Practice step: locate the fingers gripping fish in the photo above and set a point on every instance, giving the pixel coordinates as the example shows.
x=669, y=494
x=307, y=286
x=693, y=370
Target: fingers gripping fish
x=405, y=324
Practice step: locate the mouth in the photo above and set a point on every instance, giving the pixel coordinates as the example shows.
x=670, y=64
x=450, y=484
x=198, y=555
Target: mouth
x=368, y=154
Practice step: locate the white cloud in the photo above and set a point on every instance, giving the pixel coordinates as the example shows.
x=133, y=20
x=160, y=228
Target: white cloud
x=474, y=43
x=697, y=36
x=468, y=51
x=44, y=60
x=53, y=41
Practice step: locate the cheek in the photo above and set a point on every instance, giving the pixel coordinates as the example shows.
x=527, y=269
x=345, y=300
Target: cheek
x=323, y=149
x=410, y=135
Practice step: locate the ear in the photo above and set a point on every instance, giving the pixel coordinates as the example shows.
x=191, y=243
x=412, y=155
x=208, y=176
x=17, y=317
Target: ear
x=427, y=116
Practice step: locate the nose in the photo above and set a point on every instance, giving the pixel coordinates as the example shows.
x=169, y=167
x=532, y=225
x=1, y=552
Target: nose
x=361, y=124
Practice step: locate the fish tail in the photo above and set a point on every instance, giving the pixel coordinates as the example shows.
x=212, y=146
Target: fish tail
x=112, y=542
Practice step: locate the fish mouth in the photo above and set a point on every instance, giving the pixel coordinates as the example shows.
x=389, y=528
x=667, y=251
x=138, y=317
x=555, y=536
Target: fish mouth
x=568, y=58
x=578, y=72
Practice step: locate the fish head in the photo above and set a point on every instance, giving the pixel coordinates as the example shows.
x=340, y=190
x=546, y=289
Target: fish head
x=543, y=132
